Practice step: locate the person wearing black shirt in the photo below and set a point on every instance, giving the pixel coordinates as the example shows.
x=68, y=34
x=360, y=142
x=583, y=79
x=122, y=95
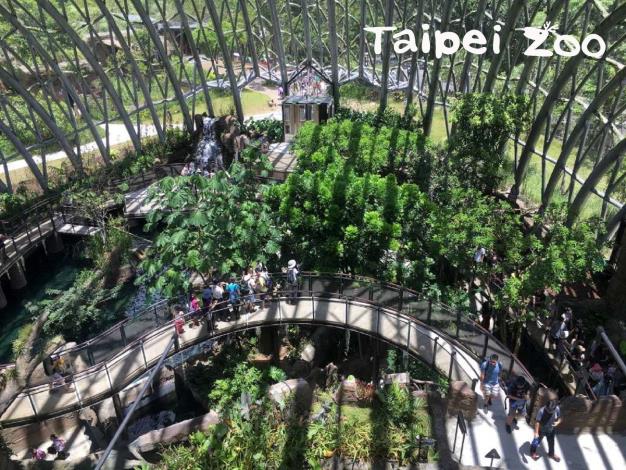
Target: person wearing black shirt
x=517, y=393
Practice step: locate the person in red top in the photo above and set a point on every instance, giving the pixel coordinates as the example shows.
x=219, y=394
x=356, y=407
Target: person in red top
x=179, y=322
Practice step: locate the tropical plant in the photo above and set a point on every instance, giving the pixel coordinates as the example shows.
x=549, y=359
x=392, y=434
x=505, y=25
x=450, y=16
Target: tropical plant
x=272, y=129
x=76, y=313
x=482, y=124
x=218, y=224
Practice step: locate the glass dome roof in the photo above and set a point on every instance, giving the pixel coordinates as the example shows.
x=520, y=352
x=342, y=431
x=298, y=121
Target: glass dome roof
x=72, y=71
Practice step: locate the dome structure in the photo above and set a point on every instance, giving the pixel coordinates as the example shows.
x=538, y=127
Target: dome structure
x=73, y=73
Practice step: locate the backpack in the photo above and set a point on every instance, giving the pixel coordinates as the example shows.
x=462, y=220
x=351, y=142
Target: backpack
x=489, y=367
x=261, y=284
x=292, y=277
x=233, y=292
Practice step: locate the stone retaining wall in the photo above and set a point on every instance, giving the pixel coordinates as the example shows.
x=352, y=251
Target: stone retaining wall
x=580, y=414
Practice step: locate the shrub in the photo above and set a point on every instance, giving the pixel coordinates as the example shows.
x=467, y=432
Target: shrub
x=483, y=123
x=19, y=344
x=272, y=129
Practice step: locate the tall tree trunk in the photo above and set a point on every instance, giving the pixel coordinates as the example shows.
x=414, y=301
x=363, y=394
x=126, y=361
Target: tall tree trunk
x=25, y=364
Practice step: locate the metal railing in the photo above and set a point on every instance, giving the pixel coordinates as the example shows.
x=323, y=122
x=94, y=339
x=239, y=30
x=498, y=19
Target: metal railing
x=127, y=364
x=475, y=339
x=26, y=230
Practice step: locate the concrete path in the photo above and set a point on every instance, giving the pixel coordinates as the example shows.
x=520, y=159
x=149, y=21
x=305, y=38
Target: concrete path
x=577, y=452
x=105, y=379
x=118, y=134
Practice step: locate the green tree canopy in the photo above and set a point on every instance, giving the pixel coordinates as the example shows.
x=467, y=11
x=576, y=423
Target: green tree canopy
x=204, y=224
x=483, y=123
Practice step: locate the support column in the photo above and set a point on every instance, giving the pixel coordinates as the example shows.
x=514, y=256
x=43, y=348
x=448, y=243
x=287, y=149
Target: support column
x=54, y=244
x=3, y=299
x=117, y=406
x=183, y=394
x=384, y=77
x=17, y=277
x=332, y=39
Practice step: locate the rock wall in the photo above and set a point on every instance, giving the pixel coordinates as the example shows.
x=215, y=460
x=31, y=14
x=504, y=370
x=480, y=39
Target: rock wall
x=580, y=414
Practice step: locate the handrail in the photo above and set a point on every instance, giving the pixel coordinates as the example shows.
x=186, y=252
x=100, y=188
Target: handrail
x=616, y=356
x=311, y=277
x=153, y=314
x=455, y=363
x=122, y=427
x=22, y=224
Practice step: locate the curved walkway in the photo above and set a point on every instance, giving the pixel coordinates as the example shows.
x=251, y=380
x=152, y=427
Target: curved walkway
x=451, y=323
x=107, y=378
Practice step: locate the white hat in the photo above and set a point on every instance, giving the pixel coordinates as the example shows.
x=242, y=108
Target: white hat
x=291, y=264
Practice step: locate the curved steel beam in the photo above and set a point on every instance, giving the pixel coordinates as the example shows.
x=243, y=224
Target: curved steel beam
x=166, y=63
x=133, y=64
x=384, y=85
x=433, y=85
x=28, y=157
x=598, y=172
x=226, y=58
x=278, y=44
x=613, y=224
x=45, y=117
x=615, y=18
x=196, y=56
x=69, y=89
x=578, y=130
x=250, y=34
x=513, y=14
x=530, y=61
x=93, y=62
x=332, y=38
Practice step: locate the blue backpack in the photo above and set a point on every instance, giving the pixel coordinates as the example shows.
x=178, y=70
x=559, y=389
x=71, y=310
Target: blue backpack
x=233, y=292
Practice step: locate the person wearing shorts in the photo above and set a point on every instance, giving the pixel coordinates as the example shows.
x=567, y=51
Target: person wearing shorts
x=490, y=379
x=517, y=393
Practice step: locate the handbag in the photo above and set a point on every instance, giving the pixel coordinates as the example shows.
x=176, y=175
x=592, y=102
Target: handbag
x=535, y=443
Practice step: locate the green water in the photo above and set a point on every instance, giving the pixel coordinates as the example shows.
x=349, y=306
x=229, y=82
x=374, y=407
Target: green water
x=42, y=274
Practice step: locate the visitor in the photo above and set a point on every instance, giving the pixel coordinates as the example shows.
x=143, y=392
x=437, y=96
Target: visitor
x=179, y=321
x=3, y=238
x=490, y=371
x=38, y=454
x=281, y=93
x=195, y=311
x=479, y=255
x=548, y=417
x=219, y=305
x=207, y=304
x=517, y=393
x=293, y=281
x=249, y=284
x=609, y=379
x=578, y=354
x=601, y=355
x=596, y=373
x=58, y=447
x=48, y=366
x=559, y=331
x=261, y=285
x=234, y=296
x=59, y=365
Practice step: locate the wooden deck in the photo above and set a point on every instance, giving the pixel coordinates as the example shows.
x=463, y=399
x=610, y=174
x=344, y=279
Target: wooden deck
x=136, y=204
